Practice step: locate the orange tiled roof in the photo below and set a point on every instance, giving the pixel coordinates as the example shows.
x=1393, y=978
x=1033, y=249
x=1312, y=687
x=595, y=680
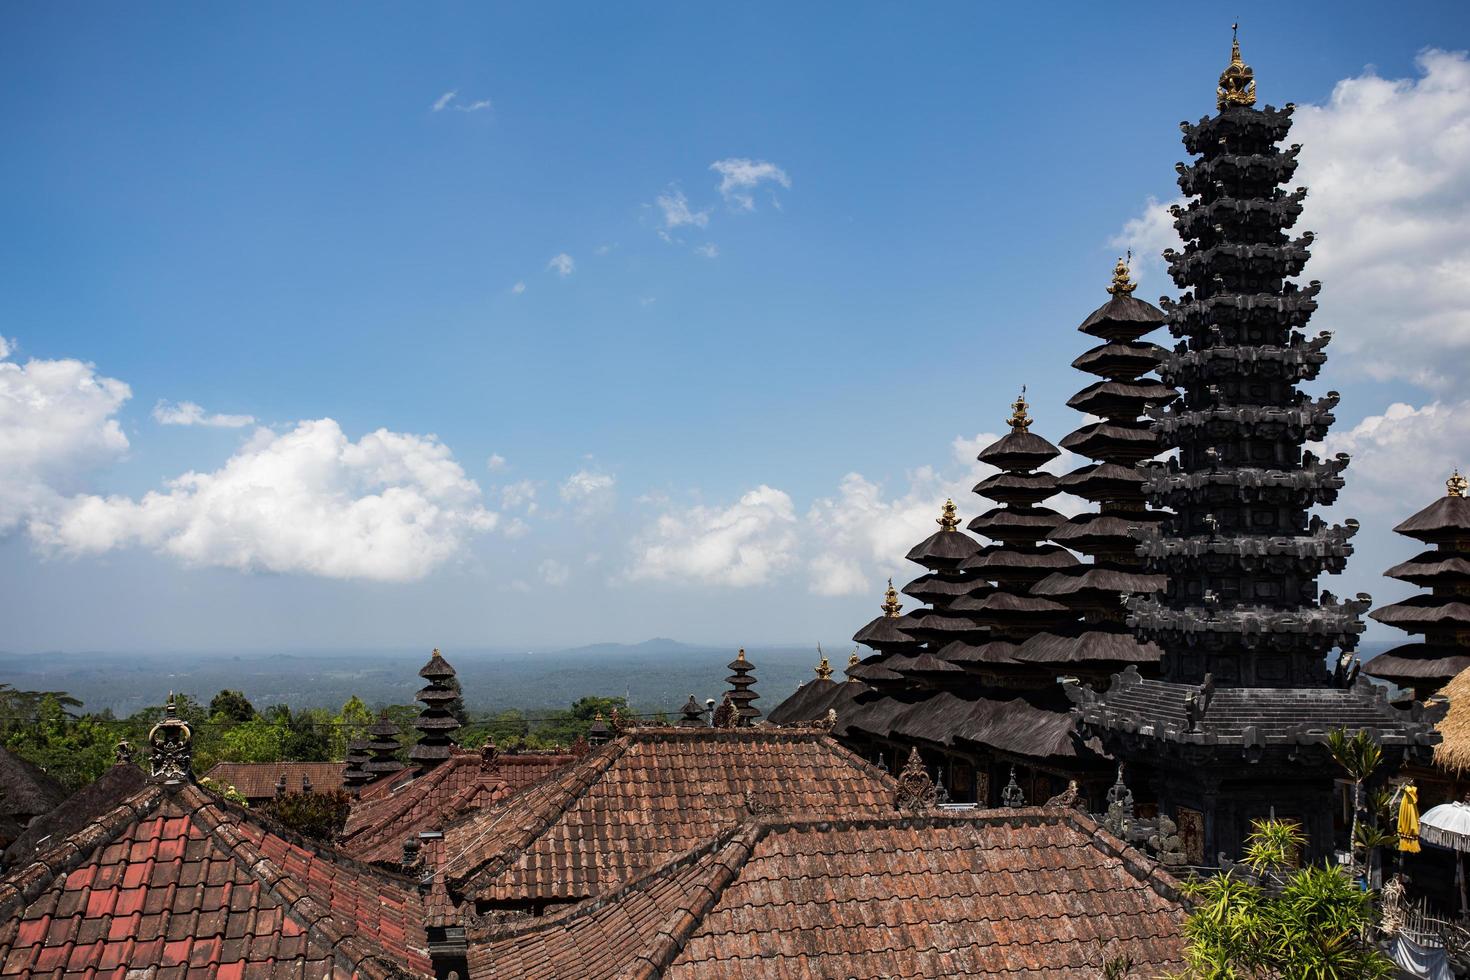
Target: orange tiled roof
x=178, y=883
x=257, y=780
x=1016, y=893
x=645, y=797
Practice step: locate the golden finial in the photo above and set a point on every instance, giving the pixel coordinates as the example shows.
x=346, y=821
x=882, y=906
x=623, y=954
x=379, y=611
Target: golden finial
x=891, y=605
x=436, y=652
x=823, y=668
x=741, y=654
x=852, y=658
x=948, y=519
x=1237, y=82
x=1122, y=286
x=1019, y=420
x=1457, y=484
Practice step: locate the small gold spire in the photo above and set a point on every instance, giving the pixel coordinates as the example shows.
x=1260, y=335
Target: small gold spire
x=1122, y=285
x=948, y=519
x=741, y=654
x=891, y=605
x=1237, y=82
x=1019, y=420
x=436, y=652
x=1457, y=484
x=852, y=658
x=823, y=668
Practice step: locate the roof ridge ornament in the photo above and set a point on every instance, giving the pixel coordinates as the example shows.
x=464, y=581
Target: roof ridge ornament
x=1456, y=485
x=1237, y=82
x=1019, y=420
x=823, y=668
x=948, y=518
x=916, y=791
x=853, y=659
x=891, y=606
x=1122, y=285
x=171, y=747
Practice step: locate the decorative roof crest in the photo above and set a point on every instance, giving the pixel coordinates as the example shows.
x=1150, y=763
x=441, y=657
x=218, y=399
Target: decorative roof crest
x=823, y=668
x=1019, y=420
x=891, y=605
x=852, y=658
x=1122, y=285
x=1456, y=485
x=915, y=789
x=171, y=747
x=948, y=519
x=1012, y=796
x=1237, y=82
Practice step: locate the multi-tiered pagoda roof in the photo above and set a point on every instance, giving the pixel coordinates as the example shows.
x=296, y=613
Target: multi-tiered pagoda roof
x=1442, y=616
x=1116, y=442
x=436, y=723
x=1245, y=699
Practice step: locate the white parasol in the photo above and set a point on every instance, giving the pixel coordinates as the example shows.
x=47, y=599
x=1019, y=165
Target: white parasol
x=1448, y=825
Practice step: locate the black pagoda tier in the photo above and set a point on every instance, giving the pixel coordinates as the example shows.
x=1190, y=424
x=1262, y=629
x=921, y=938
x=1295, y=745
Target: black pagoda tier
x=1101, y=642
x=740, y=694
x=1234, y=727
x=436, y=723
x=1443, y=616
x=383, y=744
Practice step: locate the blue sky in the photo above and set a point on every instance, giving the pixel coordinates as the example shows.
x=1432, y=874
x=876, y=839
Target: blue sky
x=261, y=212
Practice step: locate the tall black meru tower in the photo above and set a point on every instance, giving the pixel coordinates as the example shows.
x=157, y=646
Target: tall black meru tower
x=1233, y=730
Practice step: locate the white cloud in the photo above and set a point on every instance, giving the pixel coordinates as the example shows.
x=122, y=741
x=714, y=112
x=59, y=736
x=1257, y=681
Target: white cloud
x=518, y=288
x=518, y=495
x=389, y=507
x=709, y=250
x=448, y=101
x=57, y=425
x=6, y=348
x=516, y=528
x=188, y=413
x=739, y=178
x=1387, y=164
x=495, y=462
x=589, y=491
x=745, y=544
x=563, y=264
x=677, y=212
x=554, y=573
x=604, y=249
x=1401, y=458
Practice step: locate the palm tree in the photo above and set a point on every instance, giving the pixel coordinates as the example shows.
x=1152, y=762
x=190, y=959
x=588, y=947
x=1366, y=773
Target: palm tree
x=1360, y=757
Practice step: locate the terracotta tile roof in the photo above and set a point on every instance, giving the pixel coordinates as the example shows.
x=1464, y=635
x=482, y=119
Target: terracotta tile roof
x=257, y=780
x=376, y=828
x=1014, y=893
x=645, y=797
x=177, y=883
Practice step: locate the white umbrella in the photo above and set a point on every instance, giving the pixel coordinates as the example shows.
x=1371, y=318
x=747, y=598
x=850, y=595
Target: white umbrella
x=1448, y=825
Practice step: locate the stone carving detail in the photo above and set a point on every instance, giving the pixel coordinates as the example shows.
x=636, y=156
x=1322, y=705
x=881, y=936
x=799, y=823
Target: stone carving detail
x=915, y=789
x=171, y=748
x=1011, y=795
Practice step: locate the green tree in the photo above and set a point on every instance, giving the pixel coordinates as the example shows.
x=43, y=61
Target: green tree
x=350, y=725
x=1359, y=756
x=1310, y=923
x=320, y=816
x=231, y=706
x=257, y=740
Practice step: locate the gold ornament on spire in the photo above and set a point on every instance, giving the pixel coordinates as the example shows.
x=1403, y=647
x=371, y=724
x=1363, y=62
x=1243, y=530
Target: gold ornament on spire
x=741, y=654
x=823, y=668
x=852, y=658
x=1019, y=420
x=891, y=605
x=948, y=518
x=1122, y=285
x=1237, y=82
x=436, y=653
x=1457, y=484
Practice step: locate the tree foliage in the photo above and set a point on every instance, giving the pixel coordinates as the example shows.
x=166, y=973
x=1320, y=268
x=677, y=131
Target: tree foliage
x=230, y=705
x=1309, y=923
x=320, y=816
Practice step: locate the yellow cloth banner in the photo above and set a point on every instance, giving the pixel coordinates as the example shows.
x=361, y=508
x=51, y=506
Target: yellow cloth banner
x=1409, y=820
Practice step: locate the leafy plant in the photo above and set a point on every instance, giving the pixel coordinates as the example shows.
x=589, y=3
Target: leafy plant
x=320, y=816
x=1313, y=926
